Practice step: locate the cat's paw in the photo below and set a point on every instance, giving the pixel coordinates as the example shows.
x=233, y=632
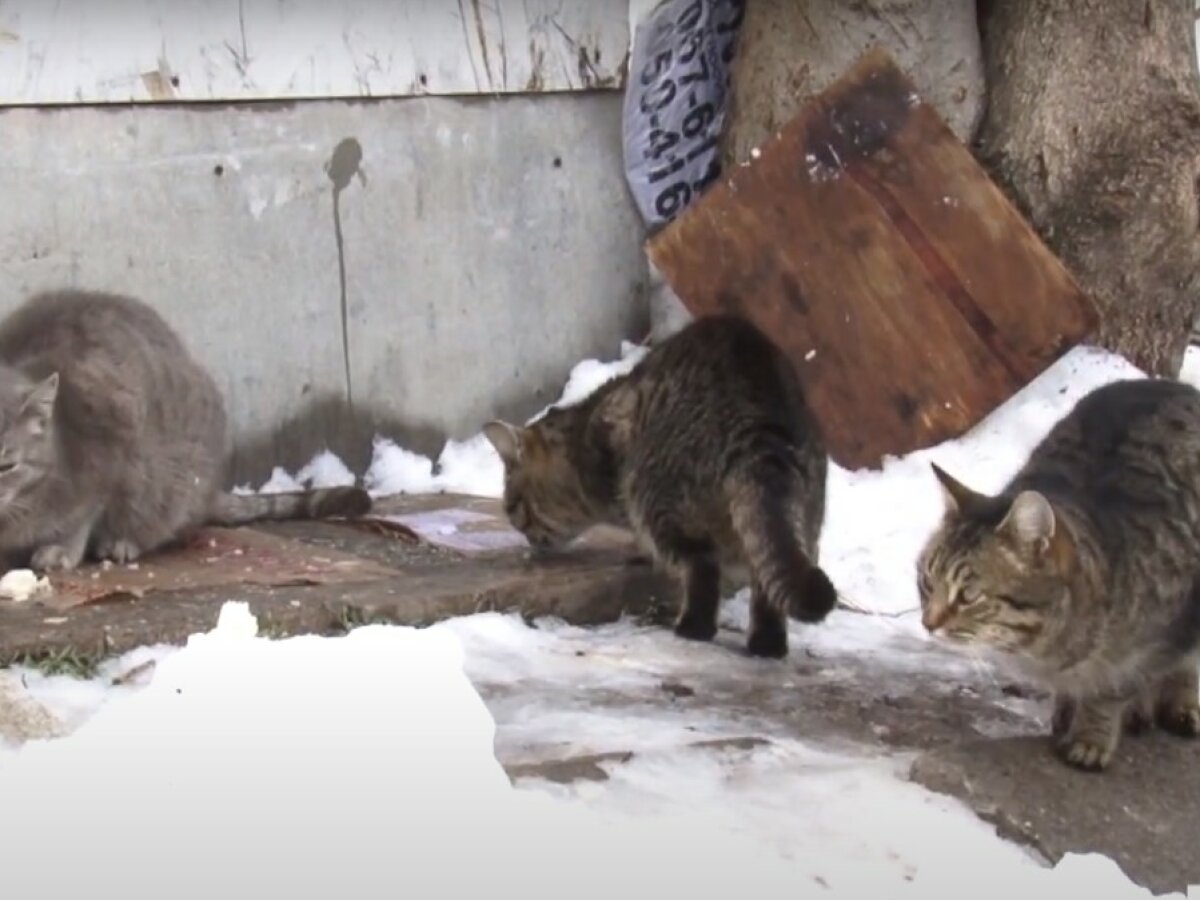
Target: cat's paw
x=768, y=639
x=54, y=558
x=696, y=628
x=1182, y=719
x=1088, y=755
x=120, y=551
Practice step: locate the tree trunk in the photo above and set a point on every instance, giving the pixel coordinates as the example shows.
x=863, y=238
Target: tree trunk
x=1093, y=128
x=790, y=50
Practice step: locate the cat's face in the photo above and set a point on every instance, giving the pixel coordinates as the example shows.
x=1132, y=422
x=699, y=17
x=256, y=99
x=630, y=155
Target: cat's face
x=996, y=572
x=26, y=411
x=543, y=498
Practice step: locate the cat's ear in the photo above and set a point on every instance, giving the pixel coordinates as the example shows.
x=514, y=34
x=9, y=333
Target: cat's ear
x=39, y=402
x=506, y=439
x=956, y=494
x=1030, y=521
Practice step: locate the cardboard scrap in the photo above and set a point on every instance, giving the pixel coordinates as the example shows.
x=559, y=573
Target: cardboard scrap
x=214, y=557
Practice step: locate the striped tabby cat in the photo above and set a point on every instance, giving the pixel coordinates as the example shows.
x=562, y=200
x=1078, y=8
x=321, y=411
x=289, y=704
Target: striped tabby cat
x=707, y=450
x=1085, y=566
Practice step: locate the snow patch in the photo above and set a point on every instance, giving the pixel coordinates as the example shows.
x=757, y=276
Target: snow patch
x=589, y=375
x=878, y=520
x=1190, y=372
x=280, y=482
x=464, y=467
x=324, y=470
x=20, y=585
x=472, y=466
x=363, y=766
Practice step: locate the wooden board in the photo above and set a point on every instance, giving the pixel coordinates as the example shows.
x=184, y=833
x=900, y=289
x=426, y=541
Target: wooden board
x=911, y=296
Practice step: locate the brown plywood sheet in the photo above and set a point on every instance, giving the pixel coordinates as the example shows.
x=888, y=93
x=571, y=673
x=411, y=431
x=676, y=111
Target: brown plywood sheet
x=911, y=296
x=215, y=557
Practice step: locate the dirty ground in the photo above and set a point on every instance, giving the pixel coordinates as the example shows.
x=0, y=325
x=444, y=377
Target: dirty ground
x=860, y=685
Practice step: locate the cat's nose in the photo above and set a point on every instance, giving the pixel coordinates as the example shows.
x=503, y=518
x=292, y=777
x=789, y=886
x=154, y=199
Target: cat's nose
x=934, y=615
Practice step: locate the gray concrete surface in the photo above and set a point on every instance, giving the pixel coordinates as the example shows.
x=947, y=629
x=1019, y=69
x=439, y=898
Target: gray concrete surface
x=966, y=730
x=422, y=583
x=480, y=248
x=1143, y=812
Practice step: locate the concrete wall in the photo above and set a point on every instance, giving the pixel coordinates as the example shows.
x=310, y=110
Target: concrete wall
x=478, y=246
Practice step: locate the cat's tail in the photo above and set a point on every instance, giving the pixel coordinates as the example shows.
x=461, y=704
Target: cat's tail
x=319, y=503
x=768, y=516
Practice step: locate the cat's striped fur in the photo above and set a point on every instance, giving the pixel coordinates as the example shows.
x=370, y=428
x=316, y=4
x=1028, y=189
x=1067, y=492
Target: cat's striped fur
x=1085, y=566
x=707, y=450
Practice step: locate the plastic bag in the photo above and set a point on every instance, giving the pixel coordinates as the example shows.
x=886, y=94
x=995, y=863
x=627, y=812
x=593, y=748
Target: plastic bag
x=675, y=103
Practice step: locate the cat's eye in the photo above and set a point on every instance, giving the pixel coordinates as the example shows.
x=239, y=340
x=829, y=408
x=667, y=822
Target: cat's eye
x=969, y=594
x=1014, y=602
x=6, y=466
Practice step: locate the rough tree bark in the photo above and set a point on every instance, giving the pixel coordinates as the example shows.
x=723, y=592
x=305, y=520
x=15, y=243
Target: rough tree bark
x=1093, y=128
x=790, y=50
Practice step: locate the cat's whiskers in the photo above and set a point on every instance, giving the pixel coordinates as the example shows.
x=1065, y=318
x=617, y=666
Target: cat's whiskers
x=983, y=666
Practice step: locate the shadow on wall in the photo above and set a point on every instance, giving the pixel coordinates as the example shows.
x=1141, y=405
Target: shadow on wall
x=326, y=423
x=329, y=423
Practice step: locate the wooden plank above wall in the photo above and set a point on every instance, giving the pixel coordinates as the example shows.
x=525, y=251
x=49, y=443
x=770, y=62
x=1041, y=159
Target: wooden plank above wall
x=912, y=298
x=94, y=51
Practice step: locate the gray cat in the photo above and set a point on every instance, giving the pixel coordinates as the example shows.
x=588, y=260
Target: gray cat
x=113, y=438
x=708, y=451
x=1085, y=566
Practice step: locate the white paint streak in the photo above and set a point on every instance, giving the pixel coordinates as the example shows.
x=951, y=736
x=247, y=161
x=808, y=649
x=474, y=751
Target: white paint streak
x=80, y=51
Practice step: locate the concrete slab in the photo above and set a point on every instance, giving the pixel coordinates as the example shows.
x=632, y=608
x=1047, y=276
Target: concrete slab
x=1144, y=812
x=596, y=583
x=967, y=731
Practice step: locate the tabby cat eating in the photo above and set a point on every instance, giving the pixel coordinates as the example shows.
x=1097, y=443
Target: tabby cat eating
x=707, y=450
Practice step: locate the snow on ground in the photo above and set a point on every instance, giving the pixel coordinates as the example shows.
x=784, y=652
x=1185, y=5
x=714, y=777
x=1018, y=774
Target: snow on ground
x=464, y=467
x=366, y=765
x=472, y=466
x=324, y=470
x=363, y=766
x=876, y=520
